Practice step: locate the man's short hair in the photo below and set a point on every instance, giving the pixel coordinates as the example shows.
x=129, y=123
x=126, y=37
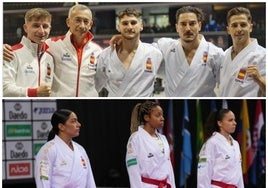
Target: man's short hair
x=189, y=9
x=238, y=11
x=129, y=12
x=37, y=14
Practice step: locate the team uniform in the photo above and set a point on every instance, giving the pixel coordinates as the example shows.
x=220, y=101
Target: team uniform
x=148, y=161
x=195, y=80
x=75, y=69
x=220, y=162
x=27, y=70
x=233, y=78
x=137, y=80
x=57, y=166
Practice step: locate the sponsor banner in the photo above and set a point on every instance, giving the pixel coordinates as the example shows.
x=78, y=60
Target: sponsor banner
x=43, y=110
x=3, y=151
x=41, y=130
x=18, y=130
x=37, y=145
x=17, y=150
x=19, y=169
x=3, y=170
x=17, y=111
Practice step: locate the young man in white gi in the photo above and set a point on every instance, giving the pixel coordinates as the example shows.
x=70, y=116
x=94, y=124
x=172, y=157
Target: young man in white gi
x=30, y=73
x=191, y=63
x=243, y=71
x=75, y=56
x=129, y=71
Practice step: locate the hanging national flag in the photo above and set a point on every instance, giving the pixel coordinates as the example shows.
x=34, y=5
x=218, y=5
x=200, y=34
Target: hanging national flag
x=186, y=153
x=200, y=132
x=169, y=131
x=244, y=140
x=213, y=106
x=258, y=124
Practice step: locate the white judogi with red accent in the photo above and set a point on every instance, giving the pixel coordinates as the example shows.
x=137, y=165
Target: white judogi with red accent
x=219, y=161
x=137, y=80
x=195, y=80
x=27, y=70
x=233, y=79
x=74, y=75
x=57, y=166
x=145, y=158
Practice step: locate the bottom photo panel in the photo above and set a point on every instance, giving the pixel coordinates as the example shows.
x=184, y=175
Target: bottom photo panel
x=135, y=143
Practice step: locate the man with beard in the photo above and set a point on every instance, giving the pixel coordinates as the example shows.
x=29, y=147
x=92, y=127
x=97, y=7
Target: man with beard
x=130, y=70
x=191, y=63
x=75, y=56
x=244, y=68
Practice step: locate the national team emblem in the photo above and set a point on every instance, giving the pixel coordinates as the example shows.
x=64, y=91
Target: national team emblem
x=92, y=59
x=48, y=70
x=83, y=162
x=205, y=58
x=241, y=76
x=148, y=65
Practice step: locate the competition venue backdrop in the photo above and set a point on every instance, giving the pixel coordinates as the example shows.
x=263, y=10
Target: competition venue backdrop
x=105, y=131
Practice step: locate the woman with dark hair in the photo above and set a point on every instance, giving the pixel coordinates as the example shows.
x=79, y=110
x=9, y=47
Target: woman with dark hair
x=61, y=162
x=148, y=154
x=220, y=158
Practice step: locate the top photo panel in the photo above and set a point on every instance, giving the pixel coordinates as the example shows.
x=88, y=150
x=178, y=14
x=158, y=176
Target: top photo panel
x=134, y=49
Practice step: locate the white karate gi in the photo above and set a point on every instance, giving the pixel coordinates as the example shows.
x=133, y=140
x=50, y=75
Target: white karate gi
x=233, y=79
x=57, y=166
x=219, y=161
x=144, y=158
x=195, y=80
x=27, y=70
x=137, y=80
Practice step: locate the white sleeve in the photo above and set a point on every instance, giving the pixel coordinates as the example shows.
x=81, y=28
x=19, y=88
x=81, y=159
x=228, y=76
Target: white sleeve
x=132, y=164
x=205, y=166
x=10, y=88
x=43, y=167
x=101, y=77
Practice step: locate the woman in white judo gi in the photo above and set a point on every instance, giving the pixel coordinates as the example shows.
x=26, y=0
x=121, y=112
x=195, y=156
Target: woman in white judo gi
x=61, y=162
x=220, y=158
x=148, y=154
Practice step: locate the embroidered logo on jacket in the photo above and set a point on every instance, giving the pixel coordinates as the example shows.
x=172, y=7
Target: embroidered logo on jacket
x=83, y=161
x=66, y=57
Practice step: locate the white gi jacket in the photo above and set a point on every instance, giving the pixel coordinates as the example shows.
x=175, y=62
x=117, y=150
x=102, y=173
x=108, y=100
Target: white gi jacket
x=219, y=161
x=144, y=158
x=27, y=70
x=195, y=80
x=233, y=79
x=74, y=76
x=57, y=166
x=137, y=81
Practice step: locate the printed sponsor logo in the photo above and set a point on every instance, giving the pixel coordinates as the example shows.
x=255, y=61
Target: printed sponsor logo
x=18, y=131
x=19, y=169
x=44, y=110
x=20, y=153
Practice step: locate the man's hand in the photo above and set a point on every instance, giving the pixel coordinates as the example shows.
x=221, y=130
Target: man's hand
x=43, y=90
x=254, y=73
x=7, y=53
x=115, y=41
